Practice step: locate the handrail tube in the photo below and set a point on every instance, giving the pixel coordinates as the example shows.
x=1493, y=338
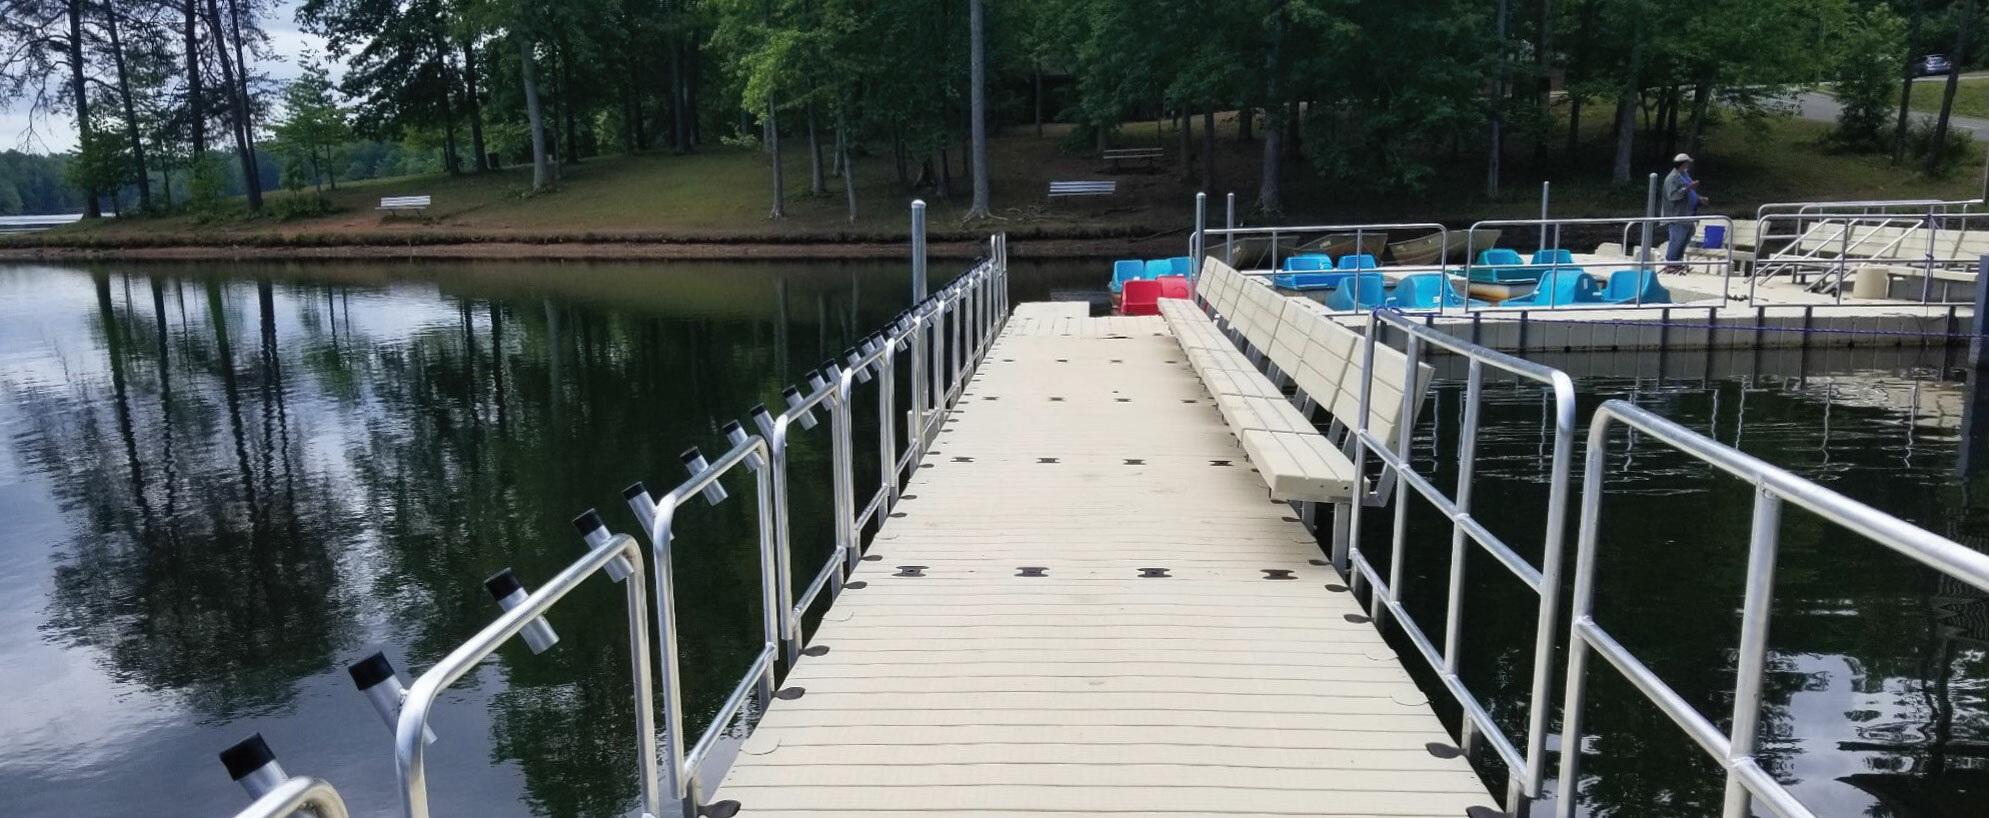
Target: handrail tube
x=1697, y=727
x=410, y=751
x=294, y=795
x=762, y=668
x=662, y=516
x=1773, y=488
x=1529, y=776
x=1465, y=523
x=1474, y=710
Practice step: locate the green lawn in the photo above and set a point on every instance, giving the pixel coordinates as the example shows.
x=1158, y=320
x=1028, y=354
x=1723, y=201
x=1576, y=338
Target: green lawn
x=1971, y=98
x=723, y=193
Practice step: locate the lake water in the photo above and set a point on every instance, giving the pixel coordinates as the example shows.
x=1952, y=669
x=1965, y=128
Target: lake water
x=220, y=484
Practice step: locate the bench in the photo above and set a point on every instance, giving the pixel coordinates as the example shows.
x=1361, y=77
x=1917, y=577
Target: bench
x=1151, y=156
x=1058, y=189
x=1265, y=340
x=395, y=204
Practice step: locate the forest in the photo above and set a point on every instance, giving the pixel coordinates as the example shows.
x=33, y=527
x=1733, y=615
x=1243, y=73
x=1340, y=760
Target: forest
x=173, y=104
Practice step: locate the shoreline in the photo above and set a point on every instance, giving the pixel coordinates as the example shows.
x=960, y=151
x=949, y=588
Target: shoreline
x=588, y=251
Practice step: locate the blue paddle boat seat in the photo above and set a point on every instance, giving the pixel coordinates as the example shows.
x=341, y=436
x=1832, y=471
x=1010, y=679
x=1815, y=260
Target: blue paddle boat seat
x=1124, y=270
x=1422, y=291
x=1500, y=265
x=1309, y=281
x=1552, y=257
x=1363, y=291
x=1310, y=263
x=1359, y=261
x=1635, y=286
x=1181, y=266
x=1560, y=287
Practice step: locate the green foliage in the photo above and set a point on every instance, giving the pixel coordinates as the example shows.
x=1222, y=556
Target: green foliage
x=207, y=182
x=102, y=164
x=1954, y=151
x=313, y=127
x=1867, y=72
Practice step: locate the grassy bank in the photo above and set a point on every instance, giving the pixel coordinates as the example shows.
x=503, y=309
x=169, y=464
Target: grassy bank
x=1971, y=98
x=720, y=196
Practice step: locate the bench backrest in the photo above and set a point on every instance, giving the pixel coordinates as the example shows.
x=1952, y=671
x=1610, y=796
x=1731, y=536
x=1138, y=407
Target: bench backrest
x=404, y=201
x=1319, y=354
x=1070, y=188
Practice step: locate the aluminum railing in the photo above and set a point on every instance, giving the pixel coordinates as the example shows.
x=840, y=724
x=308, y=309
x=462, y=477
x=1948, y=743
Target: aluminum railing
x=947, y=335
x=1528, y=768
x=1830, y=245
x=1734, y=749
x=297, y=796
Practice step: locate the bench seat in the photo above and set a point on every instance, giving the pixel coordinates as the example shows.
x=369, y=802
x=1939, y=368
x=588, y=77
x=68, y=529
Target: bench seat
x=1245, y=413
x=1299, y=466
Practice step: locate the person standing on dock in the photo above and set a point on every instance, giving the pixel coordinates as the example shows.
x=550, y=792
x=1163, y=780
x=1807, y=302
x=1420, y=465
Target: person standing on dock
x=1681, y=201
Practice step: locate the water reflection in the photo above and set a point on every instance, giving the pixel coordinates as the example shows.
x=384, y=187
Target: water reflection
x=220, y=486
x=1874, y=697
x=258, y=476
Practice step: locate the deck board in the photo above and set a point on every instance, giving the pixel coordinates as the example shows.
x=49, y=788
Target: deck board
x=975, y=691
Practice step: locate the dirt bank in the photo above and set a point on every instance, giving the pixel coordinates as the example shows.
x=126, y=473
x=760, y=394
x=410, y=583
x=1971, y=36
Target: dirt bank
x=596, y=251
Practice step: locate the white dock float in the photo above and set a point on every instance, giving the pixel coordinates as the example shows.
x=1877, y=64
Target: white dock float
x=1073, y=610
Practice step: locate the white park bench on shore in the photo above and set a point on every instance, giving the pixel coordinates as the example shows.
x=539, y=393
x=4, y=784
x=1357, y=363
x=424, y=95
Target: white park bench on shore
x=395, y=204
x=1151, y=156
x=1083, y=189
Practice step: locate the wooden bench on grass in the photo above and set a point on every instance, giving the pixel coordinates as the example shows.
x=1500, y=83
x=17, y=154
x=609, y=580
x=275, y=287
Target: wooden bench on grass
x=1151, y=156
x=396, y=204
x=1294, y=341
x=1061, y=189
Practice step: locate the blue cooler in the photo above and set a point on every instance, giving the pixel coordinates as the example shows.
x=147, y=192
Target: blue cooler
x=1716, y=237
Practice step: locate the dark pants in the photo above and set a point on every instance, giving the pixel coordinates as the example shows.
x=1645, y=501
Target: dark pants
x=1681, y=234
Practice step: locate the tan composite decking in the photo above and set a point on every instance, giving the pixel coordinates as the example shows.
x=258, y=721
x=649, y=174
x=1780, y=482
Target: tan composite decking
x=973, y=691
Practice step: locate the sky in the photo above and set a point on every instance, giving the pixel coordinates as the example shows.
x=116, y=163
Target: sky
x=46, y=133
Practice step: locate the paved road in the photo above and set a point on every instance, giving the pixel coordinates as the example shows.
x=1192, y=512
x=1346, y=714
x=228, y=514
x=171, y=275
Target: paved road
x=1820, y=106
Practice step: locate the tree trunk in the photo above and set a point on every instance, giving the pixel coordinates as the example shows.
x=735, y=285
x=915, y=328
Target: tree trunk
x=773, y=151
x=238, y=107
x=92, y=209
x=475, y=107
x=1906, y=85
x=945, y=190
x=196, y=108
x=849, y=173
x=1036, y=76
x=977, y=73
x=452, y=162
x=1954, y=82
x=1269, y=198
x=1496, y=150
x=1544, y=87
x=532, y=113
x=252, y=169
x=1702, y=100
x=817, y=186
x=1626, y=110
x=130, y=110
x=680, y=132
x=1574, y=124
x=1208, y=149
x=1187, y=147
x=572, y=130
x=1244, y=114
x=1671, y=123
x=897, y=155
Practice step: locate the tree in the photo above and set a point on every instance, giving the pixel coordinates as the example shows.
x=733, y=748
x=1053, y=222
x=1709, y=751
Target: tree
x=978, y=62
x=1868, y=61
x=313, y=126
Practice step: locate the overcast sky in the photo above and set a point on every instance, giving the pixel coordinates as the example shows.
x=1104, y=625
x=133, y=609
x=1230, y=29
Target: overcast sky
x=56, y=133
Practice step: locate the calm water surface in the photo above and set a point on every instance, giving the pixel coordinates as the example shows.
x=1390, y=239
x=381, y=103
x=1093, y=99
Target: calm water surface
x=220, y=485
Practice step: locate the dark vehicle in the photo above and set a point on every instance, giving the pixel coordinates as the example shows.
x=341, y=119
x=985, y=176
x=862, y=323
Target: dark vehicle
x=1932, y=65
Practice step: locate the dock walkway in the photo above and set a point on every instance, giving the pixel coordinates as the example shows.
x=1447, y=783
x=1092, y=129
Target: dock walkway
x=1076, y=609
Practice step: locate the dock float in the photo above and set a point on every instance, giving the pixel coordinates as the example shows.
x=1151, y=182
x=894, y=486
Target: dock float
x=1085, y=603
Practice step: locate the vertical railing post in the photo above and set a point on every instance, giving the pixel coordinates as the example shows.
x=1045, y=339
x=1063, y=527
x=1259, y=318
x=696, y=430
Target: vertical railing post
x=1343, y=552
x=1843, y=257
x=1544, y=186
x=1467, y=450
x=1580, y=608
x=843, y=457
x=1650, y=221
x=1753, y=655
x=790, y=627
x=1200, y=238
x=1228, y=236
x=1412, y=349
x=769, y=571
x=918, y=251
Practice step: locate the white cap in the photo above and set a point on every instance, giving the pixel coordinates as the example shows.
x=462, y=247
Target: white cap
x=1680, y=158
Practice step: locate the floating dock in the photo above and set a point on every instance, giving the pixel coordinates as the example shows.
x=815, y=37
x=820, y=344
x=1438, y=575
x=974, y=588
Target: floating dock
x=1084, y=604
